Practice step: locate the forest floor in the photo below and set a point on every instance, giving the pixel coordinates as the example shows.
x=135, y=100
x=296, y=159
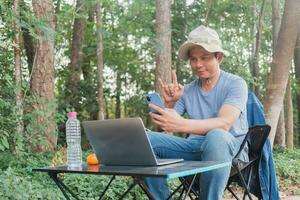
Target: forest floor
x=294, y=197
x=286, y=193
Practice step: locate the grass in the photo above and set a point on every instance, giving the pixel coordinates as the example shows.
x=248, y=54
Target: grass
x=287, y=164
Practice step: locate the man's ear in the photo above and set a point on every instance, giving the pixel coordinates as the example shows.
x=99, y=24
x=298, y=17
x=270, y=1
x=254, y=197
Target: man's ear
x=219, y=57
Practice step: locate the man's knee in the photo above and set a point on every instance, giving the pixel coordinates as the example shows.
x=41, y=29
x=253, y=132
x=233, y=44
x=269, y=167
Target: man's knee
x=154, y=137
x=216, y=136
x=220, y=143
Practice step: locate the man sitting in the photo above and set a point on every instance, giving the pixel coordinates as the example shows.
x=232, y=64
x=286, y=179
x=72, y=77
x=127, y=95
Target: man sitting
x=216, y=105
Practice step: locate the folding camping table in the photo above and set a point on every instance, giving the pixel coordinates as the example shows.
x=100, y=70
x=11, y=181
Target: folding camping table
x=138, y=174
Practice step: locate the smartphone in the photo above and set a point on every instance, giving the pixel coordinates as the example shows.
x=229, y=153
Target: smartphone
x=154, y=98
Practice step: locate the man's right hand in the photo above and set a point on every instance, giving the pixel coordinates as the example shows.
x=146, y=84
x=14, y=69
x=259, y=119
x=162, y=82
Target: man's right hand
x=171, y=92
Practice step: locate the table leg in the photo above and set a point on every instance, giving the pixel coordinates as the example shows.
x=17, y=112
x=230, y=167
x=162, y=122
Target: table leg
x=128, y=190
x=62, y=186
x=190, y=187
x=145, y=189
x=107, y=186
x=180, y=186
x=140, y=182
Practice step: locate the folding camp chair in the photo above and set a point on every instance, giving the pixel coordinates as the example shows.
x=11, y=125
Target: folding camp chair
x=244, y=173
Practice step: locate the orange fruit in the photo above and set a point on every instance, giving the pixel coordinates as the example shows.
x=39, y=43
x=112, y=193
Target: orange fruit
x=93, y=168
x=92, y=159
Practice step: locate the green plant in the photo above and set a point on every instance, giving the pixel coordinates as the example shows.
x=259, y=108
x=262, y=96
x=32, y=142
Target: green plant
x=287, y=164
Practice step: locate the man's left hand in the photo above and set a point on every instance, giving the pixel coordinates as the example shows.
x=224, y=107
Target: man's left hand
x=167, y=119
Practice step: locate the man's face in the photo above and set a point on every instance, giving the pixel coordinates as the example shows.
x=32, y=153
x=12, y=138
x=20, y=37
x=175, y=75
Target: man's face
x=204, y=64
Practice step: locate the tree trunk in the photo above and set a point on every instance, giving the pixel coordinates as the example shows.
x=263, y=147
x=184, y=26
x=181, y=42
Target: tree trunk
x=28, y=40
x=297, y=72
x=253, y=43
x=88, y=68
x=290, y=120
x=163, y=39
x=73, y=78
x=106, y=108
x=29, y=48
x=118, y=96
x=275, y=22
x=255, y=66
x=280, y=67
x=18, y=71
x=100, y=96
x=280, y=131
x=42, y=82
x=179, y=9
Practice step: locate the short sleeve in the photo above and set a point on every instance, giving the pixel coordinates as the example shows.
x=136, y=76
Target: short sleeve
x=180, y=106
x=237, y=94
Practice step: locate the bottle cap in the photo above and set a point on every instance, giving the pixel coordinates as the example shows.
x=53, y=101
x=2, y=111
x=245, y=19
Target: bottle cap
x=72, y=114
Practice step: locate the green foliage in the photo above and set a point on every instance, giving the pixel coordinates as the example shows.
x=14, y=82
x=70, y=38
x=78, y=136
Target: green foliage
x=18, y=182
x=33, y=24
x=16, y=186
x=8, y=116
x=288, y=164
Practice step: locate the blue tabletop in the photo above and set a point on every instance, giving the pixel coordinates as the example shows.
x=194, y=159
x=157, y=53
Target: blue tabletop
x=170, y=171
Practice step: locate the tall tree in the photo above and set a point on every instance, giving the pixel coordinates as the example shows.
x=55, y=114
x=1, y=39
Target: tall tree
x=280, y=131
x=255, y=58
x=18, y=72
x=297, y=70
x=88, y=66
x=280, y=67
x=28, y=40
x=29, y=46
x=179, y=32
x=163, y=41
x=290, y=120
x=75, y=71
x=42, y=80
x=100, y=97
x=253, y=41
x=118, y=96
x=275, y=22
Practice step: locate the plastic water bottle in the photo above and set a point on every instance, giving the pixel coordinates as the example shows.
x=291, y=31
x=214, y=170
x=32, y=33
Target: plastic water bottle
x=73, y=135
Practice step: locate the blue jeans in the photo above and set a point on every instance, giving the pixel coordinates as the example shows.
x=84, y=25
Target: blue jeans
x=216, y=145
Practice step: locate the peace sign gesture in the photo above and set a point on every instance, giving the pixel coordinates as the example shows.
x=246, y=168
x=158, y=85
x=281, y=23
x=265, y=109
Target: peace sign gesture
x=171, y=92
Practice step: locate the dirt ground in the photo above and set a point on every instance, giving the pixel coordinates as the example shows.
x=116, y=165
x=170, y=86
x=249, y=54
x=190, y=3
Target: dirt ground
x=290, y=192
x=283, y=196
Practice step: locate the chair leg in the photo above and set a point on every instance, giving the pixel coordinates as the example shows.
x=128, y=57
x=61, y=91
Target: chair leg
x=181, y=193
x=230, y=190
x=244, y=196
x=250, y=175
x=248, y=183
x=244, y=184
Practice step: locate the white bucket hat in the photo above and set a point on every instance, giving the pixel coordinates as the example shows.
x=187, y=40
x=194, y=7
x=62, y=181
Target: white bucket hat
x=204, y=37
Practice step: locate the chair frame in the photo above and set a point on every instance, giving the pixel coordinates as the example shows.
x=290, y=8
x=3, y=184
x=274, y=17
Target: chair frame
x=255, y=138
x=241, y=171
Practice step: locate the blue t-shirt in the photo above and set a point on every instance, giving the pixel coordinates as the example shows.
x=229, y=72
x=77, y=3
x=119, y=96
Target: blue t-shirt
x=199, y=104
